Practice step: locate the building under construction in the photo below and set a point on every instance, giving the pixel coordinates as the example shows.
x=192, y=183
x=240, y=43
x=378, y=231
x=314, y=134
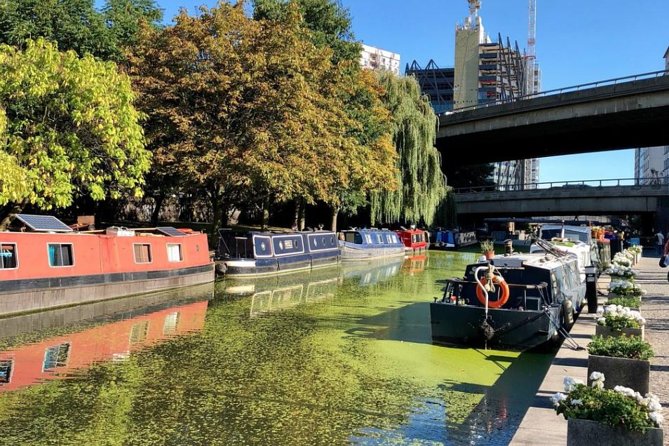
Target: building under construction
x=435, y=82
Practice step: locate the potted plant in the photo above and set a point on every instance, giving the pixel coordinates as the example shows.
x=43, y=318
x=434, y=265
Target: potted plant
x=623, y=359
x=487, y=249
x=620, y=416
x=631, y=302
x=617, y=320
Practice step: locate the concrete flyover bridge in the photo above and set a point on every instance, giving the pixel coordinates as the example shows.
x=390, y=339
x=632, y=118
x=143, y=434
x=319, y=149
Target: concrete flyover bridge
x=587, y=197
x=612, y=114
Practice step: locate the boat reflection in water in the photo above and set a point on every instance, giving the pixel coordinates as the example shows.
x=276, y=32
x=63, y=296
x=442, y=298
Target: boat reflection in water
x=116, y=328
x=284, y=292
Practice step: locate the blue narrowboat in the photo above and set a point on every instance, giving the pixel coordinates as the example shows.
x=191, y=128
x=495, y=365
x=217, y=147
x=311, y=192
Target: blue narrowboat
x=257, y=253
x=452, y=238
x=365, y=244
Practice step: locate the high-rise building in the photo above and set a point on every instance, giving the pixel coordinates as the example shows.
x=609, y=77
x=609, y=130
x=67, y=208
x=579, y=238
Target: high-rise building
x=378, y=59
x=487, y=72
x=651, y=164
x=435, y=82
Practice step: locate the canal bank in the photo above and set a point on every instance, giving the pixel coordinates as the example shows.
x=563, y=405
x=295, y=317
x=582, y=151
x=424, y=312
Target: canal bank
x=541, y=424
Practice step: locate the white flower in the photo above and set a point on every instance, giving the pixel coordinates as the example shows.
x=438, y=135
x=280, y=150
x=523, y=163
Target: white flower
x=570, y=383
x=558, y=398
x=597, y=379
x=656, y=417
x=576, y=402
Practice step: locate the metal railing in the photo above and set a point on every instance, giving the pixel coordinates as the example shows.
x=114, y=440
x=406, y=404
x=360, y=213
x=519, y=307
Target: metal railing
x=559, y=91
x=569, y=185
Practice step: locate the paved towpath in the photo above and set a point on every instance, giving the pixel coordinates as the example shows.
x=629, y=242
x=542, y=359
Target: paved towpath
x=541, y=425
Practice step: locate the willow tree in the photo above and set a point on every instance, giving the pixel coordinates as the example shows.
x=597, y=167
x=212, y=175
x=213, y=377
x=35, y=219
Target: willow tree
x=68, y=129
x=422, y=183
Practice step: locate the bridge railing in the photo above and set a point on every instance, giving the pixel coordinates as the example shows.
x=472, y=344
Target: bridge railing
x=558, y=91
x=568, y=185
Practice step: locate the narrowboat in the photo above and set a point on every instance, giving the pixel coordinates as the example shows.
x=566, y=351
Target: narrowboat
x=46, y=264
x=413, y=239
x=365, y=244
x=569, y=238
x=517, y=301
x=254, y=253
x=452, y=238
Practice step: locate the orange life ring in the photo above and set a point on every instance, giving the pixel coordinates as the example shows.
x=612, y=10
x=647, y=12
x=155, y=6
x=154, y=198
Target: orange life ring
x=504, y=294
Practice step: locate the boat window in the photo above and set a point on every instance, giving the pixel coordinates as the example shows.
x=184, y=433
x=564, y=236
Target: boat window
x=139, y=332
x=354, y=237
x=7, y=256
x=171, y=323
x=322, y=241
x=368, y=238
x=288, y=244
x=379, y=238
x=6, y=371
x=60, y=254
x=142, y=253
x=174, y=253
x=56, y=356
x=262, y=246
x=389, y=238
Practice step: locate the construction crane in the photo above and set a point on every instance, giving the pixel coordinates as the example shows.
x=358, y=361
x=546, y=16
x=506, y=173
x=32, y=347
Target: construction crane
x=531, y=43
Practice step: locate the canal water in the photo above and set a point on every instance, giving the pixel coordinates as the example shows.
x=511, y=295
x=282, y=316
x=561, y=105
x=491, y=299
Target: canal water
x=341, y=355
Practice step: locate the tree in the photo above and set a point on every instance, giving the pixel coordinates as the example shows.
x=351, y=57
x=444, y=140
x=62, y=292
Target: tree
x=422, y=183
x=370, y=161
x=69, y=129
x=328, y=22
x=469, y=176
x=76, y=24
x=246, y=108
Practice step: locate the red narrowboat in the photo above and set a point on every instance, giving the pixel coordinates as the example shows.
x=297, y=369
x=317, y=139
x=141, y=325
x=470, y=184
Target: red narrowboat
x=45, y=264
x=413, y=239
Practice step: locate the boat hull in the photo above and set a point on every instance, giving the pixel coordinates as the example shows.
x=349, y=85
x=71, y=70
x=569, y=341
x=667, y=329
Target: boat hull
x=353, y=253
x=21, y=296
x=520, y=330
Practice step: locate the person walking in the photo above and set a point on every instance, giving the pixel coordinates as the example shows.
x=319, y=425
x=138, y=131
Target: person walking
x=659, y=243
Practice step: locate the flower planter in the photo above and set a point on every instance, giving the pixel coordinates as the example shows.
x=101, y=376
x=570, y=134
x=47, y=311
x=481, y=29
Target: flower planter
x=588, y=433
x=632, y=373
x=489, y=254
x=601, y=330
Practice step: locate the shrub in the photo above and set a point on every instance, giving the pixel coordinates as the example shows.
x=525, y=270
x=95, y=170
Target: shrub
x=633, y=303
x=620, y=406
x=617, y=317
x=630, y=347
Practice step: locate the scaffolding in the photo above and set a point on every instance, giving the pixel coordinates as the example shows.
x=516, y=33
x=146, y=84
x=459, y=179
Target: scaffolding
x=435, y=82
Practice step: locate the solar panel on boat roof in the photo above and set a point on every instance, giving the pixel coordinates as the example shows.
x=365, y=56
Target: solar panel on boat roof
x=46, y=223
x=169, y=230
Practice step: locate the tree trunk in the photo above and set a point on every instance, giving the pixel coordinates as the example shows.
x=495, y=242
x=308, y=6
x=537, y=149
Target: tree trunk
x=7, y=220
x=160, y=199
x=296, y=215
x=335, y=213
x=265, y=214
x=302, y=214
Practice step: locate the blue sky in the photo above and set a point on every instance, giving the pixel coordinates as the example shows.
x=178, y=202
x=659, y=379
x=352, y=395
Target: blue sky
x=577, y=42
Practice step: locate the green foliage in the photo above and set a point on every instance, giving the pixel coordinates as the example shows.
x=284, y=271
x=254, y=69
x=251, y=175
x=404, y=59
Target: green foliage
x=422, y=183
x=328, y=21
x=617, y=322
x=76, y=24
x=608, y=406
x=71, y=128
x=632, y=302
x=632, y=347
x=487, y=246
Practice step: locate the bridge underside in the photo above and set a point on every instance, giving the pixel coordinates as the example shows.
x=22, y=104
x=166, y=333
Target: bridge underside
x=605, y=118
x=622, y=200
